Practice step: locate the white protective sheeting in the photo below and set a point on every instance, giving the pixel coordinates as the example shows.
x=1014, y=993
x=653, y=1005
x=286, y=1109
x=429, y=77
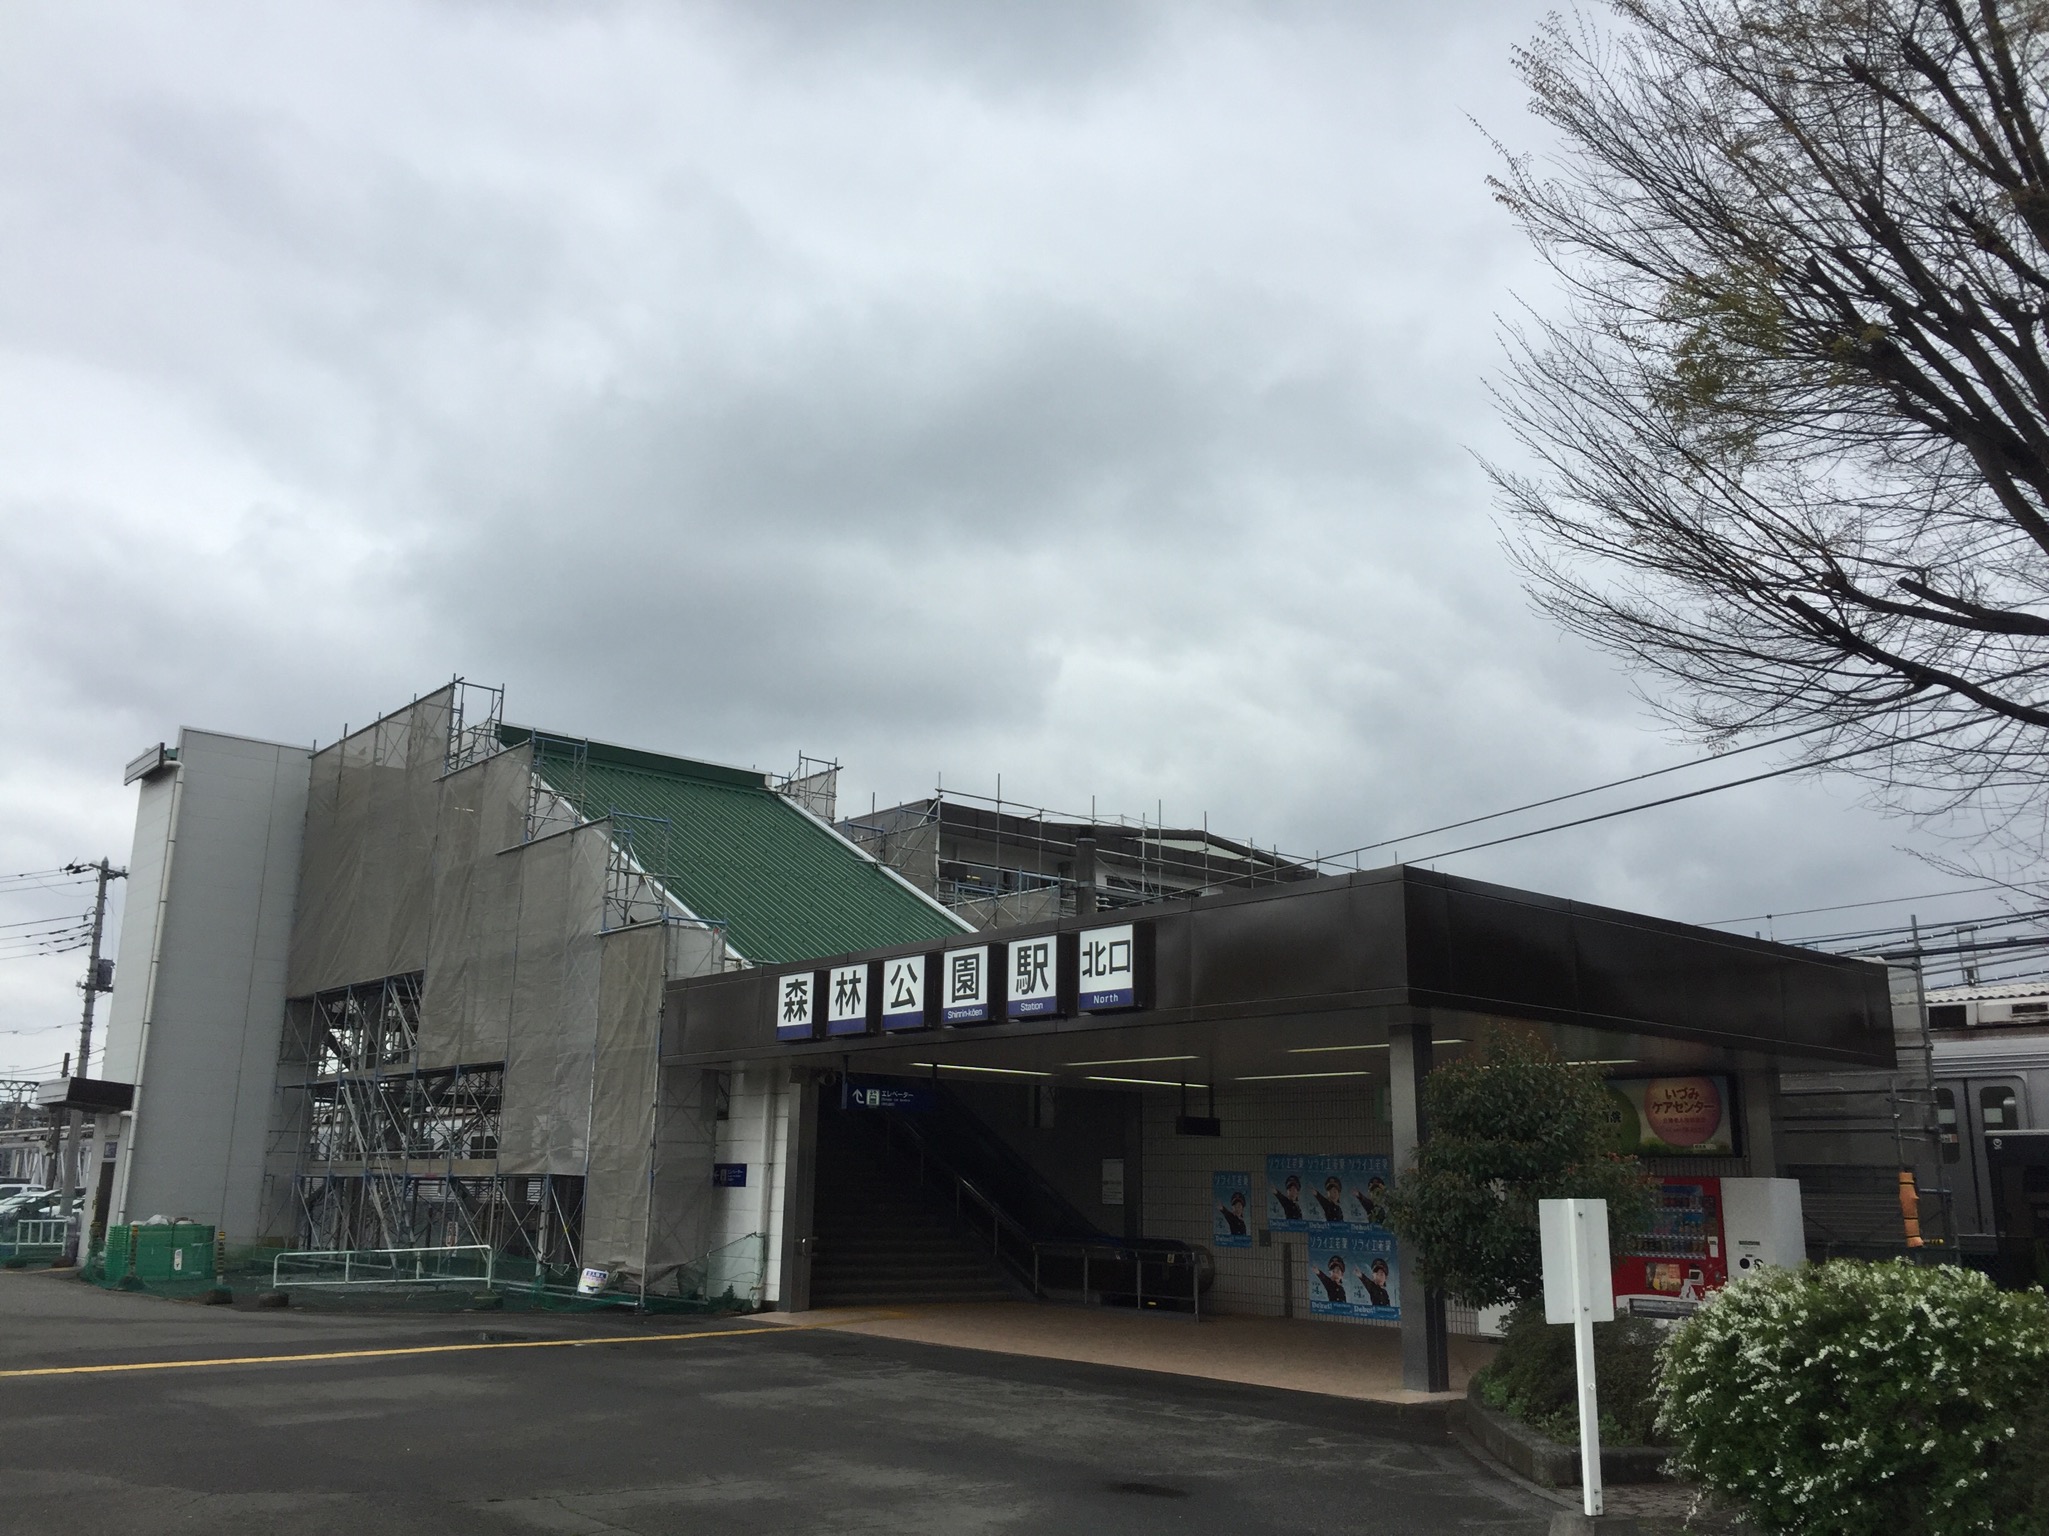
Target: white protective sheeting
x=551, y=1026
x=366, y=874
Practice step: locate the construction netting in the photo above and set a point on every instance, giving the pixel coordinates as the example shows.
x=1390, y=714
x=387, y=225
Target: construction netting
x=188, y=1261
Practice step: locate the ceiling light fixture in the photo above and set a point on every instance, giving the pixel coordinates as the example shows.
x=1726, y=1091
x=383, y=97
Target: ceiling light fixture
x=1280, y=1077
x=1320, y=1050
x=1147, y=1082
x=1131, y=1061
x=950, y=1066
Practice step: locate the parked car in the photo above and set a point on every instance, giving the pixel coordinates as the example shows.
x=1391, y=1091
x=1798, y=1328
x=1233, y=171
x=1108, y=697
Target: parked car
x=31, y=1207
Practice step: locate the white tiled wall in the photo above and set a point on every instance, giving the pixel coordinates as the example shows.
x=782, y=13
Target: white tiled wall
x=1346, y=1117
x=756, y=1131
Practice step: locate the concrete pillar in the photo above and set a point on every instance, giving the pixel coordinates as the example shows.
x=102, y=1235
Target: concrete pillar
x=1760, y=1132
x=800, y=1178
x=1426, y=1364
x=1085, y=874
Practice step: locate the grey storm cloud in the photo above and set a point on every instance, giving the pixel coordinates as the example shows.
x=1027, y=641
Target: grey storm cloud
x=1086, y=394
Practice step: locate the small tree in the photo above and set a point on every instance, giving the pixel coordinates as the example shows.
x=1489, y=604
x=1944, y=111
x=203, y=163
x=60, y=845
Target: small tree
x=1513, y=1126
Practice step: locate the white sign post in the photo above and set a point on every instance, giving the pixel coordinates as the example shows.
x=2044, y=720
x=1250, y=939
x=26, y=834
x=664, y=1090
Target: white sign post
x=1579, y=1289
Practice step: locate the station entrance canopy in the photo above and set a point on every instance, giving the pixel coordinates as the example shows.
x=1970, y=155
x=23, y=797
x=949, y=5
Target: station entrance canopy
x=1358, y=982
x=1269, y=986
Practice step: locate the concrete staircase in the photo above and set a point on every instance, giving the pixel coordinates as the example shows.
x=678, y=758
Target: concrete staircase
x=881, y=1239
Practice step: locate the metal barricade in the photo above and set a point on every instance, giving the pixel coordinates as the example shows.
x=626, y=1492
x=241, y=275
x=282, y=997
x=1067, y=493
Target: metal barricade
x=469, y=1264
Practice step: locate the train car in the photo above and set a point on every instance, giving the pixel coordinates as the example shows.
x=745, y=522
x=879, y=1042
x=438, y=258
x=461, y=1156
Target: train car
x=1991, y=1048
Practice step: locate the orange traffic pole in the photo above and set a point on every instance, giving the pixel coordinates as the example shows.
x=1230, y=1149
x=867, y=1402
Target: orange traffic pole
x=1910, y=1208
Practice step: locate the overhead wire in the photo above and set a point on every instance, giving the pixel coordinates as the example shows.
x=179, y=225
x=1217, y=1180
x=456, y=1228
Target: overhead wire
x=1580, y=794
x=54, y=922
x=1646, y=805
x=1849, y=906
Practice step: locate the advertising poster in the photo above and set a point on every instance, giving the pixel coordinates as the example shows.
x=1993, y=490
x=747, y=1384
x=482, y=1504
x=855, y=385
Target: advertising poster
x=1230, y=1210
x=1354, y=1274
x=1672, y=1116
x=1307, y=1193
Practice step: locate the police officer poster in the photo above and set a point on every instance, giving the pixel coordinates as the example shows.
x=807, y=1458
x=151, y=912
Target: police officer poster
x=1355, y=1275
x=1230, y=1215
x=1307, y=1193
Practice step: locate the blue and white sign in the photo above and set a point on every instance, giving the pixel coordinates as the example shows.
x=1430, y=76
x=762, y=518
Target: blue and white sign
x=903, y=992
x=729, y=1175
x=846, y=1000
x=796, y=1006
x=964, y=985
x=1034, y=977
x=1230, y=1217
x=1109, y=978
x=905, y=1098
x=1354, y=1274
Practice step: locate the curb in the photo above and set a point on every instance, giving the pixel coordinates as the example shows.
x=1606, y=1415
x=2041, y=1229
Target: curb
x=1541, y=1460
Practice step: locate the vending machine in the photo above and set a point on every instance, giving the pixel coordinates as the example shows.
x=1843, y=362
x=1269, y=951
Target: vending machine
x=1669, y=1269
x=1703, y=1231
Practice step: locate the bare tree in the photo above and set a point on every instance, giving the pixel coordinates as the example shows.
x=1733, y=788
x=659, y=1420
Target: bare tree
x=1791, y=433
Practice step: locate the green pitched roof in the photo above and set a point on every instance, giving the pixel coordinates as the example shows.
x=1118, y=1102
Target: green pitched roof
x=739, y=853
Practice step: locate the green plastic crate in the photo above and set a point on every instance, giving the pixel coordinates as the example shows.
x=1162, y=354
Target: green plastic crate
x=182, y=1251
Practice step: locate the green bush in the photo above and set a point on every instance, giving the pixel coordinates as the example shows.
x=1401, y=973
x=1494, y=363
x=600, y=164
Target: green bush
x=1849, y=1398
x=1510, y=1126
x=1535, y=1379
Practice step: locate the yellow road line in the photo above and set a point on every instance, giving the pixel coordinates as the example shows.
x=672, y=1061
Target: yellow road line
x=412, y=1349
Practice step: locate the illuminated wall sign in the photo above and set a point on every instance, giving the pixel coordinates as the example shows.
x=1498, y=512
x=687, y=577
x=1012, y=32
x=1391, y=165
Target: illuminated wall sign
x=796, y=1006
x=1033, y=977
x=903, y=992
x=1109, y=969
x=846, y=1000
x=1673, y=1116
x=964, y=985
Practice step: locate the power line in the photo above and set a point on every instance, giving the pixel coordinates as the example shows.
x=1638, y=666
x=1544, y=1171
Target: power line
x=1849, y=906
x=1959, y=925
x=55, y=922
x=1647, y=805
x=1578, y=794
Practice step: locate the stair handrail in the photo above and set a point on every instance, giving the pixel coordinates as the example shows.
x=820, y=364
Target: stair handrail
x=1000, y=1220
x=1001, y=1223
x=961, y=1119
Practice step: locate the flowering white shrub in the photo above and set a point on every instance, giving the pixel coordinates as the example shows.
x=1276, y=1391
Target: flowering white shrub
x=1848, y=1398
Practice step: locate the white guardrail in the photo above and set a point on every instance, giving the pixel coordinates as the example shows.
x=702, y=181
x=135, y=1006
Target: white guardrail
x=40, y=1232
x=473, y=1264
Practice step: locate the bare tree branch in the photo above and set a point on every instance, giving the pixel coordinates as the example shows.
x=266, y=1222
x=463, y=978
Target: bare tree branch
x=1790, y=439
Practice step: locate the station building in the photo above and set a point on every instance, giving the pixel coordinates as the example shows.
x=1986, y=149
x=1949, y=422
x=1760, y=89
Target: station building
x=405, y=990
x=453, y=981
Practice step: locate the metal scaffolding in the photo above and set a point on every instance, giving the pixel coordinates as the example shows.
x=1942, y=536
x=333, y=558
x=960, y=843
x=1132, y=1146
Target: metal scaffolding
x=392, y=1154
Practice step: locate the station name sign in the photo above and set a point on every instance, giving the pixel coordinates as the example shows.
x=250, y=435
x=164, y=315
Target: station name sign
x=1052, y=975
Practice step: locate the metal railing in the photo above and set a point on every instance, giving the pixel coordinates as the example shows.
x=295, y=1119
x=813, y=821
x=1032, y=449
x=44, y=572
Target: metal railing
x=37, y=1232
x=470, y=1264
x=1118, y=1269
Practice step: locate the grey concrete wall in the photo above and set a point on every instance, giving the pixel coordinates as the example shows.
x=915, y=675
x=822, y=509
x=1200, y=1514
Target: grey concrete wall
x=200, y=992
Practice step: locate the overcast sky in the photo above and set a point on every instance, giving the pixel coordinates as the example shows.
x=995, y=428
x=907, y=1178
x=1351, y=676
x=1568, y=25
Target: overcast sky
x=1087, y=393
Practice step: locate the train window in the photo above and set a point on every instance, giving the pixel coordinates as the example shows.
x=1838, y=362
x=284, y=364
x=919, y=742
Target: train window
x=1998, y=1109
x=1947, y=1016
x=1946, y=1125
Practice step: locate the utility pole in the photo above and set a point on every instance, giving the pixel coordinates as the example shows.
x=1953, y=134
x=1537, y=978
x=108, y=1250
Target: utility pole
x=99, y=977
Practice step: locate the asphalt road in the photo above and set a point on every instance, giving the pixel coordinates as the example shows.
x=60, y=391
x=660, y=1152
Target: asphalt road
x=733, y=1426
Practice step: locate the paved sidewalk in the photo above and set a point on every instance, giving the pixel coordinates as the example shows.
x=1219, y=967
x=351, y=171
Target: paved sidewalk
x=1335, y=1359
